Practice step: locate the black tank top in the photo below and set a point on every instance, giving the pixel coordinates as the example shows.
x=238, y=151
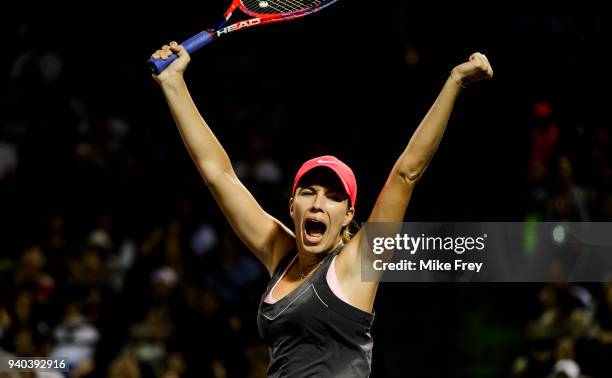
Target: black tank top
x=311, y=332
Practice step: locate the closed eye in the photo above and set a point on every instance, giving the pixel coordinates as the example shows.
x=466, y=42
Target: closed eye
x=337, y=197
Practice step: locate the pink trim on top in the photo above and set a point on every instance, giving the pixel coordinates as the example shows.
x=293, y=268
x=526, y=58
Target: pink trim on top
x=269, y=298
x=331, y=277
x=332, y=281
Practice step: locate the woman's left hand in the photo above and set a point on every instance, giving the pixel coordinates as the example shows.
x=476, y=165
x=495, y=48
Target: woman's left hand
x=475, y=69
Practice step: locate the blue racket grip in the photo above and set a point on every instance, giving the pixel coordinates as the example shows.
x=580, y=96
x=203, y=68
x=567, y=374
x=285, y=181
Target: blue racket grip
x=192, y=45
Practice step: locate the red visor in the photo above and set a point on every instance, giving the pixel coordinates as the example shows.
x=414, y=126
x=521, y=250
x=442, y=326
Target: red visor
x=344, y=172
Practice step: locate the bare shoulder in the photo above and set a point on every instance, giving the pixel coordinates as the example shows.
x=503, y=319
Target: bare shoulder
x=282, y=245
x=348, y=269
x=349, y=257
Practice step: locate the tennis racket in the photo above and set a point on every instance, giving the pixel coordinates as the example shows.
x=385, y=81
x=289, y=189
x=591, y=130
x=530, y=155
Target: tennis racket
x=254, y=13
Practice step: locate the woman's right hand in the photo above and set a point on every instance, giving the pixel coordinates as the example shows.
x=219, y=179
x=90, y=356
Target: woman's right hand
x=175, y=69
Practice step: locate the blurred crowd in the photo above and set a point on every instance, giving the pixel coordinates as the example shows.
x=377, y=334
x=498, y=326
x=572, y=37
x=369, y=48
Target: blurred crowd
x=123, y=269
x=571, y=334
x=113, y=256
x=569, y=179
x=559, y=190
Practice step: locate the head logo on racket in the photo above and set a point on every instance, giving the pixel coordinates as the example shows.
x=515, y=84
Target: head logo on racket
x=254, y=12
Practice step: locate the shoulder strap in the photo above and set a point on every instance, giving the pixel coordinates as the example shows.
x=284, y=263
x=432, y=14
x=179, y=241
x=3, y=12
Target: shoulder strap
x=280, y=267
x=322, y=270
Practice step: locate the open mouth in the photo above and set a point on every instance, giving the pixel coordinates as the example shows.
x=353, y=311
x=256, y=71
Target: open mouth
x=314, y=228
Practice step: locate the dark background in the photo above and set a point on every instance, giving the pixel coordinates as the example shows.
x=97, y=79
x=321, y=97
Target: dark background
x=95, y=149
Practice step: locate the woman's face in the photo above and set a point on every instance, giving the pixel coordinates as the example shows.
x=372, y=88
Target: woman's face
x=319, y=209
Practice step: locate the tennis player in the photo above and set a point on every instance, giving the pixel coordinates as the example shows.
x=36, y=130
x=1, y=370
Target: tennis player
x=316, y=313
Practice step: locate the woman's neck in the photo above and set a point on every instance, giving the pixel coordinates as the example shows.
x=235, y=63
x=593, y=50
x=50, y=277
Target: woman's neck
x=306, y=262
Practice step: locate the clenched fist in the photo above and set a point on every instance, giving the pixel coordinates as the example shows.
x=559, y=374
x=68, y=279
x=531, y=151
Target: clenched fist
x=475, y=69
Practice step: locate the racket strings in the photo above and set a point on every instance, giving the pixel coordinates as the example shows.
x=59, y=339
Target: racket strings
x=279, y=6
x=272, y=6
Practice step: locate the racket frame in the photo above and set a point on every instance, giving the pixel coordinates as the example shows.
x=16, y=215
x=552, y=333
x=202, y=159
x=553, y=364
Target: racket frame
x=210, y=35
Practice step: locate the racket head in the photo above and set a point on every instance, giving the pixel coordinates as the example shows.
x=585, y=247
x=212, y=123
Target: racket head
x=282, y=9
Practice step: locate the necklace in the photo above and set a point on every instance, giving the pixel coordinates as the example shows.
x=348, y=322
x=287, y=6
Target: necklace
x=304, y=275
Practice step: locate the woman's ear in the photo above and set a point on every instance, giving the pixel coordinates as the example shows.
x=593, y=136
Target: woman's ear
x=348, y=217
x=291, y=207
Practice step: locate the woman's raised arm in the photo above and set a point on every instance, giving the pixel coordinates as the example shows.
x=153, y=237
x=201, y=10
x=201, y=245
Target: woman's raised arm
x=394, y=197
x=264, y=235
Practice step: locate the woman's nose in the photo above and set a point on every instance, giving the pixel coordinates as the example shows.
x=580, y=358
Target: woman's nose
x=317, y=201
